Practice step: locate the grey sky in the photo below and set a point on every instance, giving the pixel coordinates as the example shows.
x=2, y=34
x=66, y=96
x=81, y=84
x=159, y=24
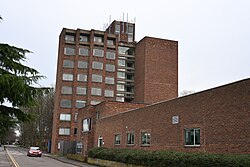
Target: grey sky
x=213, y=35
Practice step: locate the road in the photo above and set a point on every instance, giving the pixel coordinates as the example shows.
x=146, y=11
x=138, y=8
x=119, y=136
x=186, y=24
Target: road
x=22, y=160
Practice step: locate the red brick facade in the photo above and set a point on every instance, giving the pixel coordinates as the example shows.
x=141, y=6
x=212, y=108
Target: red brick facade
x=156, y=73
x=146, y=72
x=222, y=114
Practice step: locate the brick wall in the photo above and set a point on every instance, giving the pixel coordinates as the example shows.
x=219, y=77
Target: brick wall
x=222, y=114
x=156, y=74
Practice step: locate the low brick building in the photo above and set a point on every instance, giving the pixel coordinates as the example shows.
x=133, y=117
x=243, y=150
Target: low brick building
x=215, y=121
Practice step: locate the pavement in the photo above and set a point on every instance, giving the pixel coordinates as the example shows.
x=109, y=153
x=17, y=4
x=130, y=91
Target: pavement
x=4, y=159
x=6, y=162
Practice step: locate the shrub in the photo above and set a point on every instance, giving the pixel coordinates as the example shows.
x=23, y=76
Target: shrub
x=169, y=158
x=76, y=157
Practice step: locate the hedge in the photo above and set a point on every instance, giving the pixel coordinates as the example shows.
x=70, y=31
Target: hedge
x=169, y=158
x=77, y=157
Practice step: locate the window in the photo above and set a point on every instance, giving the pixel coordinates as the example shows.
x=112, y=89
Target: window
x=64, y=131
x=82, y=77
x=145, y=138
x=80, y=103
x=109, y=80
x=117, y=139
x=68, y=64
x=79, y=147
x=75, y=131
x=66, y=103
x=125, y=50
x=96, y=78
x=69, y=38
x=121, y=75
x=110, y=55
x=98, y=52
x=192, y=137
x=120, y=99
x=97, y=39
x=86, y=125
x=96, y=91
x=121, y=63
x=110, y=42
x=67, y=90
x=67, y=77
x=81, y=91
x=76, y=115
x=65, y=117
x=83, y=51
x=120, y=87
x=130, y=38
x=130, y=29
x=83, y=38
x=117, y=28
x=97, y=65
x=82, y=64
x=109, y=93
x=93, y=102
x=110, y=67
x=130, y=138
x=69, y=51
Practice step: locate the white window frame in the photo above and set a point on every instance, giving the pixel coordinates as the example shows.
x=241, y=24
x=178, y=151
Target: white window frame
x=69, y=51
x=86, y=125
x=108, y=79
x=110, y=67
x=65, y=117
x=82, y=64
x=109, y=93
x=98, y=52
x=83, y=75
x=81, y=90
x=80, y=102
x=97, y=65
x=96, y=91
x=64, y=131
x=68, y=64
x=67, y=90
x=96, y=78
x=67, y=77
x=85, y=51
x=187, y=136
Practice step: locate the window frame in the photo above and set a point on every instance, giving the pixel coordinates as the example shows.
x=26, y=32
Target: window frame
x=96, y=50
x=64, y=100
x=86, y=122
x=110, y=67
x=85, y=50
x=79, y=77
x=95, y=91
x=118, y=142
x=70, y=49
x=130, y=141
x=95, y=65
x=68, y=63
x=67, y=90
x=64, y=131
x=145, y=135
x=67, y=77
x=82, y=64
x=65, y=117
x=195, y=142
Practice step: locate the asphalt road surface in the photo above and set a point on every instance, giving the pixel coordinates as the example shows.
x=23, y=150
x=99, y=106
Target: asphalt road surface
x=22, y=160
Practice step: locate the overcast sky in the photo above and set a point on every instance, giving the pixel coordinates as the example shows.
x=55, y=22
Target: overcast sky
x=213, y=35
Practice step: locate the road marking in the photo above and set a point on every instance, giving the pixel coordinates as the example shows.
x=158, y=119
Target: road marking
x=12, y=159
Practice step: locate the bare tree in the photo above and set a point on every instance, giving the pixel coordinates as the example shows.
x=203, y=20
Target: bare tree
x=39, y=131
